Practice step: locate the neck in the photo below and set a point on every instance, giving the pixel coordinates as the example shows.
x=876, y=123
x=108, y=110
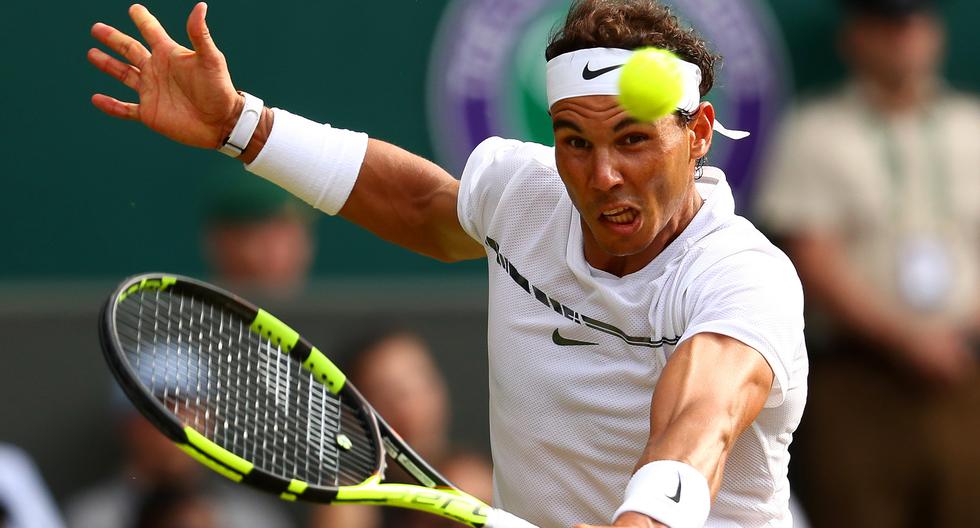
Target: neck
x=621, y=266
x=898, y=96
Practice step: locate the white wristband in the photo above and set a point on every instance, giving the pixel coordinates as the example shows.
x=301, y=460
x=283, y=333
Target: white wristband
x=317, y=163
x=670, y=492
x=244, y=128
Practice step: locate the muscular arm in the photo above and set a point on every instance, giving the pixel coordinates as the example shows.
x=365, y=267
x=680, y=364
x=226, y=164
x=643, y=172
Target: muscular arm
x=411, y=202
x=713, y=387
x=187, y=95
x=400, y=197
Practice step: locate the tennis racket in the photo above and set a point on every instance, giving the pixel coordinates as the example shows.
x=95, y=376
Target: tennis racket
x=245, y=395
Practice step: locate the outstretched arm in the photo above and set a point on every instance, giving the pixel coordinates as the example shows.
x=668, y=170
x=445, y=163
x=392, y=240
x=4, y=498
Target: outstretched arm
x=713, y=387
x=187, y=95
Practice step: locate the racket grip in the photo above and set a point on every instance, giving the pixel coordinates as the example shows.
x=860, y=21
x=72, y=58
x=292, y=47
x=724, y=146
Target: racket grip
x=502, y=519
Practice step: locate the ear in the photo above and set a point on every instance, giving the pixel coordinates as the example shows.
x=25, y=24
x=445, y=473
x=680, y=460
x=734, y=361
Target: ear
x=701, y=130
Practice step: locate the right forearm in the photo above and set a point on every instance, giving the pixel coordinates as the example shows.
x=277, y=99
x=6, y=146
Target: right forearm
x=396, y=195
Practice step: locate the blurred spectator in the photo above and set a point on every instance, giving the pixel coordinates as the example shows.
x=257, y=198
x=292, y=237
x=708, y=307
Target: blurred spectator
x=395, y=371
x=257, y=237
x=257, y=240
x=24, y=499
x=875, y=193
x=176, y=507
x=152, y=466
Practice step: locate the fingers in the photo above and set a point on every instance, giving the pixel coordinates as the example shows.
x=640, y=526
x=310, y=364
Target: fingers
x=197, y=30
x=124, y=73
x=121, y=43
x=148, y=26
x=115, y=107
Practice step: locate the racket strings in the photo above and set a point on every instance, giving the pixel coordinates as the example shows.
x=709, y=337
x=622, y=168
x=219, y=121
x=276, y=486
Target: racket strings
x=238, y=390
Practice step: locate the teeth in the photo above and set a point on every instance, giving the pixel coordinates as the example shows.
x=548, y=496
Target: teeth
x=623, y=215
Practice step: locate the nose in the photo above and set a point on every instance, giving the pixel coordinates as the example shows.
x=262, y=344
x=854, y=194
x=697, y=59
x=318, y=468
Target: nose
x=605, y=172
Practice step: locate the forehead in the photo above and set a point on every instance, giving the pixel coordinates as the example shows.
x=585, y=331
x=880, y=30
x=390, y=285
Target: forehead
x=588, y=107
x=862, y=22
x=600, y=114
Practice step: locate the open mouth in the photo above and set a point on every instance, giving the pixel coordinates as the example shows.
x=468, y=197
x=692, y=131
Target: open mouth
x=621, y=215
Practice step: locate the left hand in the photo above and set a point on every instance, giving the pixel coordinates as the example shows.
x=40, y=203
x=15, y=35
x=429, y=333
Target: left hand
x=628, y=520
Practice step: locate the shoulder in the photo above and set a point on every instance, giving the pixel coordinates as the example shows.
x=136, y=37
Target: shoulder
x=496, y=162
x=961, y=112
x=736, y=283
x=507, y=156
x=810, y=119
x=494, y=167
x=738, y=247
x=738, y=271
x=961, y=101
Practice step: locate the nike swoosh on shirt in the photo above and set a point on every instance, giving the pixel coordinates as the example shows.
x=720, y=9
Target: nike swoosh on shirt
x=562, y=341
x=677, y=495
x=588, y=74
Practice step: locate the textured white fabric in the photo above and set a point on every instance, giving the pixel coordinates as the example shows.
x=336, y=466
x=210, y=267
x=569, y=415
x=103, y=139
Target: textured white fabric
x=315, y=162
x=501, y=519
x=569, y=423
x=568, y=76
x=671, y=492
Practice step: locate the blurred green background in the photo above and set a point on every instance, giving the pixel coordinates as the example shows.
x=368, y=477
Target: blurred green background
x=81, y=188
x=90, y=199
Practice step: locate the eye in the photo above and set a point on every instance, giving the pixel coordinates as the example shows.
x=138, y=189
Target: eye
x=577, y=143
x=635, y=139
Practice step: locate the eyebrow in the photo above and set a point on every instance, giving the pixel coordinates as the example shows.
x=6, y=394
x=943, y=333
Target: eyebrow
x=564, y=123
x=629, y=121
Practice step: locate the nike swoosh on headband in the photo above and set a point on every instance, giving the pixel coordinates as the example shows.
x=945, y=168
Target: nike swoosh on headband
x=567, y=77
x=588, y=74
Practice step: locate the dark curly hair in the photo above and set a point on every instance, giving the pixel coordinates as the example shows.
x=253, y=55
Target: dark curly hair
x=632, y=24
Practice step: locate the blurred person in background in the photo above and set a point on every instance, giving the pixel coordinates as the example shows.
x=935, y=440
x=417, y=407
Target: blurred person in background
x=177, y=507
x=875, y=193
x=151, y=463
x=395, y=371
x=25, y=501
x=257, y=238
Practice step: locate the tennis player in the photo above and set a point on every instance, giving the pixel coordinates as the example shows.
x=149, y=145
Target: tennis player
x=647, y=363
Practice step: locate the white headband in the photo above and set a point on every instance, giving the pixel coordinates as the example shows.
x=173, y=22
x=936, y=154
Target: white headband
x=596, y=71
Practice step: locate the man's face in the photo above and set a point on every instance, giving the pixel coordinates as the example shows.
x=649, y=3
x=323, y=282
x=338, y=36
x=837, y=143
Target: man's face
x=628, y=180
x=416, y=406
x=894, y=50
x=273, y=254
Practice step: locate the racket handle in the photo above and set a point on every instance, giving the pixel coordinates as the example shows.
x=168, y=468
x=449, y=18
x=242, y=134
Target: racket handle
x=502, y=519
